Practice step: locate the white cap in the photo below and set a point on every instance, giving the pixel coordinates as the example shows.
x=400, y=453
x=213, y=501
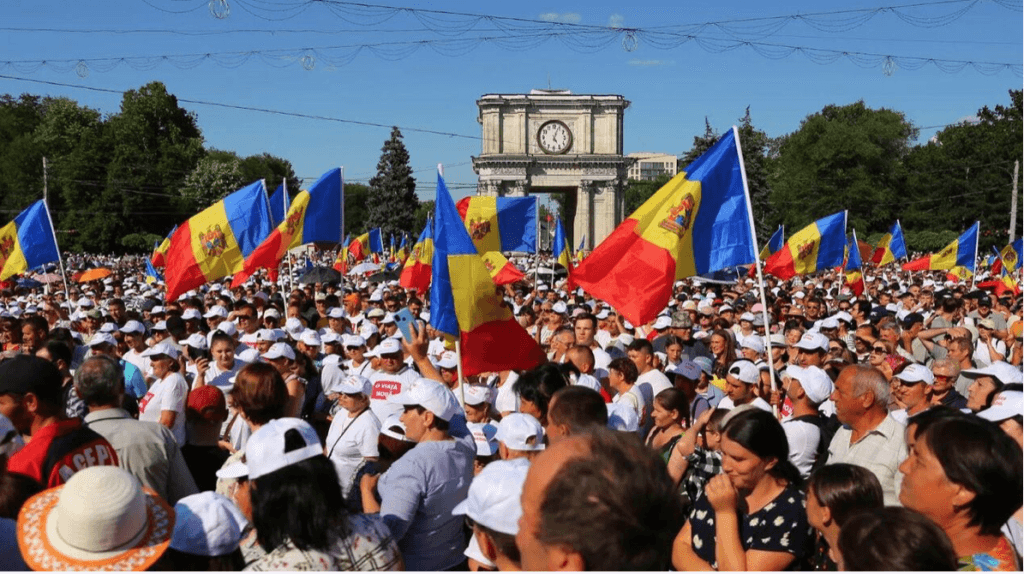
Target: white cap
x=197, y=341
x=133, y=326
x=745, y=371
x=389, y=346
x=331, y=337
x=265, y=452
x=310, y=338
x=266, y=335
x=493, y=500
x=829, y=323
x=431, y=395
x=228, y=328
x=278, y=350
x=207, y=524
x=160, y=326
x=368, y=329
x=476, y=394
x=190, y=314
x=336, y=313
x=106, y=327
x=484, y=435
x=388, y=318
x=748, y=316
x=293, y=326
x=353, y=341
x=249, y=355
x=162, y=348
x=272, y=313
x=753, y=342
x=1001, y=370
x=1006, y=404
x=622, y=417
x=354, y=384
x=394, y=420
x=813, y=380
x=102, y=339
x=914, y=373
x=448, y=360
x=813, y=342
x=520, y=431
x=216, y=311
x=559, y=307
x=778, y=340
x=662, y=322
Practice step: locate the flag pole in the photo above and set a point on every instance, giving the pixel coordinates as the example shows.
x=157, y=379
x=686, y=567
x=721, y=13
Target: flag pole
x=536, y=247
x=977, y=238
x=60, y=259
x=341, y=236
x=757, y=263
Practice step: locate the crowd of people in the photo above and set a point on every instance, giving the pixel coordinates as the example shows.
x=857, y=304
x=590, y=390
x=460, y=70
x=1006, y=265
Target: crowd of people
x=268, y=428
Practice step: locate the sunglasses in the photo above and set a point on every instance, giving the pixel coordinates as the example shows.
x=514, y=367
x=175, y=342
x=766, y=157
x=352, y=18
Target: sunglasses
x=882, y=350
x=836, y=350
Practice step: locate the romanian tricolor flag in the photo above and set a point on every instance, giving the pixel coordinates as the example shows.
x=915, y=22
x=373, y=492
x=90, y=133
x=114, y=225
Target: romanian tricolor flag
x=854, y=277
x=891, y=246
x=563, y=254
x=778, y=239
x=416, y=272
x=697, y=223
x=28, y=241
x=464, y=302
x=315, y=215
x=215, y=243
x=816, y=247
x=279, y=204
x=499, y=224
x=960, y=253
x=160, y=252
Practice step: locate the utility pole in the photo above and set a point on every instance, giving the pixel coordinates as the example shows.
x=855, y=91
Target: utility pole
x=45, y=178
x=1013, y=202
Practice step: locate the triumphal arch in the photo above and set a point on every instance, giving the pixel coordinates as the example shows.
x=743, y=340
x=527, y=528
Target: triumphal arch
x=554, y=141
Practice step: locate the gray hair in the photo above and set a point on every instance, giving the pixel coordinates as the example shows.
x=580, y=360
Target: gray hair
x=949, y=364
x=870, y=380
x=99, y=381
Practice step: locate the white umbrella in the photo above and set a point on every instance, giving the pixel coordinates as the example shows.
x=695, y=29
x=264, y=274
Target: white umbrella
x=364, y=268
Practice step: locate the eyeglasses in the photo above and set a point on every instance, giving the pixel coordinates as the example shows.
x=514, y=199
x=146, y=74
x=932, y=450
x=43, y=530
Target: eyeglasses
x=882, y=350
x=903, y=383
x=244, y=317
x=835, y=350
x=943, y=377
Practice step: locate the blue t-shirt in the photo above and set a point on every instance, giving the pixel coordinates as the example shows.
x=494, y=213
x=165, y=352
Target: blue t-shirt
x=418, y=494
x=134, y=382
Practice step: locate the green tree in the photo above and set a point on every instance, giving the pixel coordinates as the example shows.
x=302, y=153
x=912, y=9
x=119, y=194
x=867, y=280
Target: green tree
x=272, y=170
x=214, y=177
x=843, y=157
x=637, y=191
x=21, y=156
x=423, y=212
x=356, y=195
x=701, y=144
x=391, y=203
x=756, y=146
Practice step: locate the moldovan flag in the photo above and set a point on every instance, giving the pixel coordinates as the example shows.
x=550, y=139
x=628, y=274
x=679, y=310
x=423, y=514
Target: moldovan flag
x=816, y=247
x=341, y=262
x=464, y=302
x=853, y=275
x=160, y=252
x=778, y=239
x=359, y=248
x=28, y=241
x=279, y=204
x=697, y=223
x=1009, y=257
x=1003, y=270
x=563, y=254
x=499, y=224
x=416, y=272
x=960, y=253
x=891, y=246
x=314, y=215
x=215, y=243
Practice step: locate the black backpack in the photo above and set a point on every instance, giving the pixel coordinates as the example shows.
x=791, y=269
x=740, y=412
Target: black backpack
x=827, y=426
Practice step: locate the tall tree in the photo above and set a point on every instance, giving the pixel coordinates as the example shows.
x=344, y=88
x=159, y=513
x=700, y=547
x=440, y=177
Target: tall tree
x=21, y=157
x=271, y=169
x=214, y=177
x=356, y=200
x=756, y=146
x=391, y=203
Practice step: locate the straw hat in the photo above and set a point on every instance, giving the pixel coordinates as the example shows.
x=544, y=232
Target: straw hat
x=101, y=519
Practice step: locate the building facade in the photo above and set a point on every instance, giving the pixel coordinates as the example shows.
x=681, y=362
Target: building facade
x=650, y=165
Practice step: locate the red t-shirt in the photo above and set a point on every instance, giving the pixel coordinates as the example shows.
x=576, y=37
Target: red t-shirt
x=58, y=451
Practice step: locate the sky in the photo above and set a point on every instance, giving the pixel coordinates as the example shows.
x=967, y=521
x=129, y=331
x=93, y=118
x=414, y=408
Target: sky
x=426, y=70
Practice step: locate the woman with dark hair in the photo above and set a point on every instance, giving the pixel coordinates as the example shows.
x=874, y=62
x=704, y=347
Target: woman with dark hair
x=257, y=397
x=895, y=539
x=535, y=388
x=751, y=517
x=298, y=510
x=10, y=334
x=669, y=412
x=723, y=347
x=964, y=473
x=834, y=492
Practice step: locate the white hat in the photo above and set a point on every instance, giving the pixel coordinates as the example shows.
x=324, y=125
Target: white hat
x=293, y=326
x=662, y=322
x=1006, y=404
x=133, y=327
x=278, y=350
x=748, y=316
x=190, y=314
x=622, y=417
x=368, y=329
x=686, y=369
x=753, y=342
x=448, y=360
x=388, y=318
x=354, y=341
x=829, y=323
x=1001, y=370
x=107, y=327
x=915, y=373
x=331, y=337
x=493, y=500
x=102, y=339
x=354, y=384
x=272, y=313
x=84, y=302
x=745, y=371
x=394, y=421
x=375, y=312
x=266, y=335
x=160, y=326
x=813, y=380
x=559, y=307
x=431, y=395
x=336, y=313
x=520, y=431
x=249, y=355
x=476, y=394
x=310, y=338
x=207, y=524
x=484, y=434
x=813, y=342
x=265, y=452
x=389, y=347
x=778, y=340
x=197, y=341
x=228, y=328
x=161, y=348
x=216, y=311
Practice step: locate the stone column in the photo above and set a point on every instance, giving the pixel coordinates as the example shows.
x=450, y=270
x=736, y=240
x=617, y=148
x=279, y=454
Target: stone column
x=584, y=222
x=515, y=188
x=489, y=188
x=605, y=208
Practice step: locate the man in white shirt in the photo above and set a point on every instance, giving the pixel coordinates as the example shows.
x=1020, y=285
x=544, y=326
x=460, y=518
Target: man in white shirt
x=392, y=378
x=806, y=388
x=739, y=386
x=650, y=381
x=585, y=328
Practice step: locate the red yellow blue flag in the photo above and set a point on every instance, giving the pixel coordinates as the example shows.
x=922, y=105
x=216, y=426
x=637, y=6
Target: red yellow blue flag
x=853, y=276
x=816, y=247
x=160, y=251
x=891, y=246
x=777, y=240
x=28, y=241
x=341, y=262
x=499, y=224
x=215, y=242
x=960, y=253
x=416, y=271
x=464, y=302
x=279, y=204
x=562, y=251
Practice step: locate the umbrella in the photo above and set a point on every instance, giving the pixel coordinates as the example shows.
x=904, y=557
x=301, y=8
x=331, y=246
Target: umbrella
x=47, y=278
x=383, y=276
x=320, y=275
x=94, y=274
x=364, y=268
x=28, y=283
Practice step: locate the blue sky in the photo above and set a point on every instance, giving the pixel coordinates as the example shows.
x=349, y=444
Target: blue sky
x=671, y=90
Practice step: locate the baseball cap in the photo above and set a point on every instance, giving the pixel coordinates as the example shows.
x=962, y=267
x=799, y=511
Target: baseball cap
x=493, y=499
x=1006, y=404
x=748, y=316
x=293, y=326
x=687, y=369
x=336, y=313
x=662, y=322
x=911, y=319
x=813, y=342
x=753, y=342
x=311, y=338
x=207, y=524
x=278, y=350
x=197, y=341
x=431, y=395
x=190, y=314
x=987, y=323
x=133, y=326
x=389, y=347
x=375, y=313
x=354, y=341
x=266, y=335
x=1001, y=370
x=265, y=452
x=161, y=348
x=778, y=340
x=394, y=421
x=915, y=373
x=29, y=374
x=355, y=384
x=813, y=380
x=681, y=320
x=484, y=436
x=102, y=339
x=227, y=327
x=207, y=402
x=448, y=360
x=520, y=431
x=476, y=394
x=745, y=371
x=160, y=326
x=704, y=363
x=216, y=311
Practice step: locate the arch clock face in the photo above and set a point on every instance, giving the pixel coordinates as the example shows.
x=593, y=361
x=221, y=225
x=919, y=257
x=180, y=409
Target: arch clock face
x=554, y=137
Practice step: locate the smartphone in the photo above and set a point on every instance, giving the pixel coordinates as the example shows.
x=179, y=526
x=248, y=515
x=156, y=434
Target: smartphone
x=404, y=320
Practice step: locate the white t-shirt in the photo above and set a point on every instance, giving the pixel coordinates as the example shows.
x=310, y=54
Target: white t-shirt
x=803, y=440
x=364, y=369
x=634, y=397
x=589, y=381
x=726, y=403
x=167, y=394
x=981, y=355
x=385, y=385
x=349, y=441
x=138, y=360
x=601, y=359
x=651, y=383
x=507, y=400
x=221, y=379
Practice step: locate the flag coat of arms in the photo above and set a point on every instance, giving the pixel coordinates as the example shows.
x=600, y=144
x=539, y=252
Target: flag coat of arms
x=27, y=242
x=697, y=223
x=416, y=271
x=818, y=246
x=499, y=224
x=960, y=253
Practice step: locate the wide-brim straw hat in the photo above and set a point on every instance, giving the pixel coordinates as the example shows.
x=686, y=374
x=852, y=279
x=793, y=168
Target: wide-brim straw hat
x=102, y=519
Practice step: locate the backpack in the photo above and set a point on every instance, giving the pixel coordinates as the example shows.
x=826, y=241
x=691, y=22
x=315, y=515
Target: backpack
x=827, y=427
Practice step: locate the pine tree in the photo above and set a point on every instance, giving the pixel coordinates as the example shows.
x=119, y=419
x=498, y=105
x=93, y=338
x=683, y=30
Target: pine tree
x=392, y=203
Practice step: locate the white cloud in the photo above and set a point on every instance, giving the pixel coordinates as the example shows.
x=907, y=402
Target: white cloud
x=616, y=21
x=650, y=63
x=567, y=18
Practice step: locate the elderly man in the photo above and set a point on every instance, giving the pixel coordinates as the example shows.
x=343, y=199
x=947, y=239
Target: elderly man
x=869, y=437
x=147, y=450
